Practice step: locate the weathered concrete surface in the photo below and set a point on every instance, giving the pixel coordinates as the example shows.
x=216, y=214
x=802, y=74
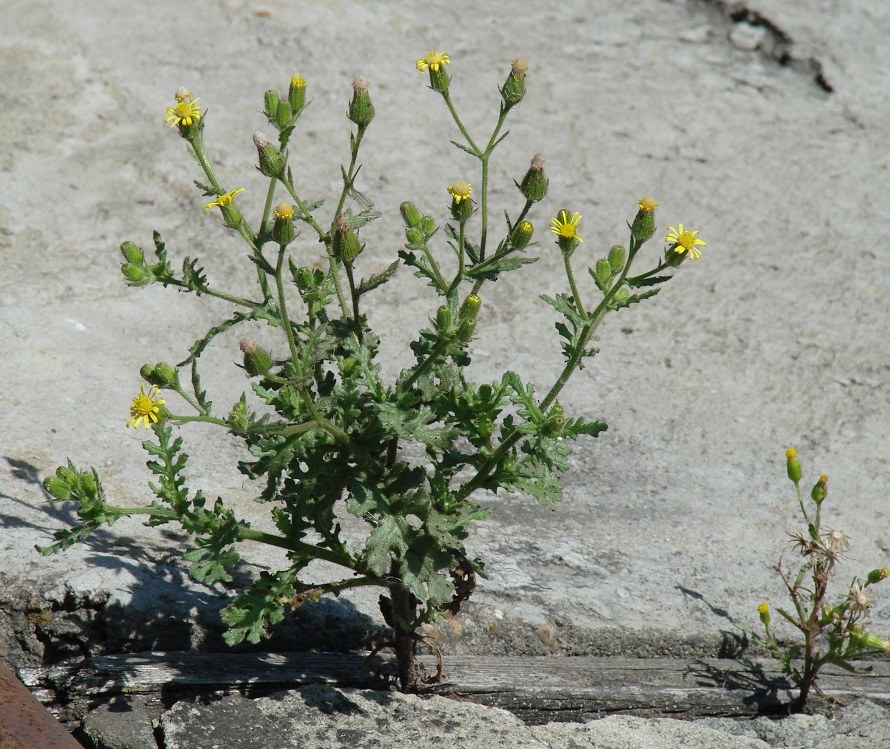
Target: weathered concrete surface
x=673, y=518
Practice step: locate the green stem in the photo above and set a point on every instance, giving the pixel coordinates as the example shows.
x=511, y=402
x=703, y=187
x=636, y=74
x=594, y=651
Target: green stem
x=354, y=295
x=458, y=277
x=316, y=552
x=566, y=257
x=425, y=364
x=350, y=175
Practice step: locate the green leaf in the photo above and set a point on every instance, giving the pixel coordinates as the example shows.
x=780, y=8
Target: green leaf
x=387, y=542
x=378, y=279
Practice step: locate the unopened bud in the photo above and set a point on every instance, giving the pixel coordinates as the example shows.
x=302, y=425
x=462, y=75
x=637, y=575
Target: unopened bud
x=535, y=183
x=414, y=237
x=56, y=488
x=470, y=308
x=763, y=610
x=283, y=228
x=283, y=114
x=164, y=376
x=868, y=641
x=465, y=330
x=793, y=465
x=257, y=361
x=643, y=226
x=514, y=87
x=410, y=214
x=270, y=105
x=522, y=235
x=132, y=253
x=443, y=317
x=272, y=161
x=428, y=225
x=296, y=92
x=820, y=490
x=361, y=110
x=875, y=576
x=135, y=274
x=345, y=242
x=617, y=256
x=603, y=273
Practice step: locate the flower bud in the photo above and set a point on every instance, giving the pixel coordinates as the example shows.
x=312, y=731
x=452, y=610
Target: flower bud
x=296, y=92
x=522, y=235
x=283, y=115
x=534, y=183
x=132, y=253
x=763, y=610
x=272, y=161
x=414, y=237
x=443, y=317
x=304, y=278
x=135, y=274
x=556, y=420
x=875, y=576
x=470, y=308
x=410, y=214
x=673, y=258
x=257, y=361
x=643, y=226
x=164, y=376
x=57, y=488
x=793, y=464
x=239, y=418
x=868, y=641
x=461, y=205
x=820, y=490
x=345, y=242
x=283, y=228
x=617, y=256
x=87, y=482
x=428, y=225
x=361, y=110
x=270, y=105
x=435, y=62
x=603, y=273
x=465, y=330
x=514, y=87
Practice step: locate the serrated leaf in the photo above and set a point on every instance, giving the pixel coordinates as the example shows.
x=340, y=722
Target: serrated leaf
x=385, y=543
x=378, y=279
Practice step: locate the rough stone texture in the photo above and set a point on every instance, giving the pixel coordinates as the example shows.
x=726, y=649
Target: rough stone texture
x=125, y=723
x=673, y=518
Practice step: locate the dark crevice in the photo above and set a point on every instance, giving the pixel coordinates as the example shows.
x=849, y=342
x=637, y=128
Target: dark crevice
x=777, y=44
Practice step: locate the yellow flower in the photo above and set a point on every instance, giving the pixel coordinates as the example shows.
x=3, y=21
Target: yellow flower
x=146, y=407
x=763, y=610
x=284, y=211
x=433, y=60
x=223, y=200
x=460, y=191
x=648, y=204
x=682, y=240
x=185, y=112
x=566, y=227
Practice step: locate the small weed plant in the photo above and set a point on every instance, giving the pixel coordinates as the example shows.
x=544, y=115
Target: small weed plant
x=324, y=433
x=833, y=633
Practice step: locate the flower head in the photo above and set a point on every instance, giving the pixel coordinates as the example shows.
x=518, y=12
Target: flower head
x=682, y=240
x=186, y=110
x=434, y=61
x=565, y=227
x=860, y=598
x=223, y=201
x=146, y=407
x=837, y=541
x=648, y=204
x=460, y=191
x=763, y=610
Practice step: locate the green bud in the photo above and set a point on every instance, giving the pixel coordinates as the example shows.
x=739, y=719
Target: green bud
x=875, y=576
x=514, y=87
x=161, y=375
x=535, y=183
x=410, y=214
x=617, y=256
x=345, y=242
x=304, y=278
x=283, y=114
x=87, y=482
x=135, y=274
x=470, y=308
x=283, y=228
x=428, y=225
x=620, y=296
x=57, y=488
x=556, y=420
x=132, y=253
x=414, y=237
x=361, y=110
x=868, y=641
x=763, y=610
x=673, y=258
x=439, y=80
x=522, y=235
x=270, y=105
x=296, y=92
x=643, y=226
x=147, y=372
x=257, y=361
x=443, y=317
x=603, y=273
x=793, y=465
x=272, y=161
x=67, y=474
x=461, y=205
x=820, y=490
x=465, y=330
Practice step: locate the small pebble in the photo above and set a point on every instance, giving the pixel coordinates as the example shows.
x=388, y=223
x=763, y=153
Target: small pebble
x=746, y=37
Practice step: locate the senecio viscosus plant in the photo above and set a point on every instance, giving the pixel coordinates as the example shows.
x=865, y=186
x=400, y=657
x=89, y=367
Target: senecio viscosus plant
x=829, y=632
x=324, y=432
